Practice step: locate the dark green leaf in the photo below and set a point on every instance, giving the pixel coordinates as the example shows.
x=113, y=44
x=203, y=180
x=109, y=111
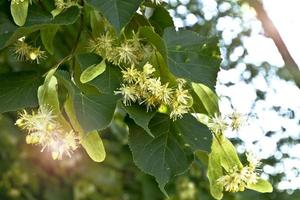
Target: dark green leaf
x=163, y=156
x=47, y=36
x=192, y=57
x=161, y=19
x=195, y=134
x=118, y=12
x=37, y=19
x=140, y=116
x=18, y=90
x=148, y=33
x=94, y=112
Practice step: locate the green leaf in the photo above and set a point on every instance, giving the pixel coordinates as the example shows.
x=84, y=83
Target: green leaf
x=229, y=156
x=18, y=90
x=118, y=12
x=140, y=116
x=207, y=98
x=19, y=12
x=37, y=19
x=148, y=33
x=108, y=81
x=215, y=171
x=195, y=134
x=94, y=147
x=163, y=156
x=94, y=112
x=262, y=186
x=192, y=57
x=161, y=19
x=92, y=72
x=47, y=36
x=48, y=96
x=49, y=99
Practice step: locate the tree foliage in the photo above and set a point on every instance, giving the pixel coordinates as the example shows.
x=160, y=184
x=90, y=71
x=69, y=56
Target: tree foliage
x=86, y=67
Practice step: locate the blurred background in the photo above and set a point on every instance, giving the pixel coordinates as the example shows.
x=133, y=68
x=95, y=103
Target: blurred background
x=259, y=78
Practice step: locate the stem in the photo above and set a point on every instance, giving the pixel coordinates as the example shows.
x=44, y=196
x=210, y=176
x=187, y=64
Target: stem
x=272, y=32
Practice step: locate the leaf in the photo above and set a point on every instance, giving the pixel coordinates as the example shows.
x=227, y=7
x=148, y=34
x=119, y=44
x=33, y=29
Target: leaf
x=118, y=12
x=262, y=186
x=108, y=81
x=47, y=36
x=94, y=147
x=229, y=156
x=18, y=90
x=148, y=33
x=37, y=19
x=195, y=134
x=161, y=19
x=207, y=98
x=192, y=57
x=91, y=141
x=94, y=112
x=215, y=171
x=49, y=99
x=92, y=72
x=140, y=116
x=19, y=12
x=163, y=156
x=48, y=96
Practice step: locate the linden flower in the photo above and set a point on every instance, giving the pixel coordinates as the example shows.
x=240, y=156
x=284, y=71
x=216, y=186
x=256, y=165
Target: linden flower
x=148, y=69
x=130, y=75
x=102, y=45
x=125, y=54
x=236, y=180
x=26, y=52
x=165, y=94
x=129, y=94
x=178, y=111
x=44, y=130
x=217, y=124
x=232, y=182
x=237, y=120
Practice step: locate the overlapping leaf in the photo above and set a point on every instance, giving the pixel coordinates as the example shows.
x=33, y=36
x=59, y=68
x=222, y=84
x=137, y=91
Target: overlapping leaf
x=18, y=90
x=192, y=57
x=37, y=19
x=162, y=156
x=118, y=12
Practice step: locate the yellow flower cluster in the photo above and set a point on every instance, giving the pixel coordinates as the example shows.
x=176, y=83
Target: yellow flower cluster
x=218, y=124
x=27, y=52
x=62, y=4
x=44, y=130
x=144, y=88
x=238, y=179
x=129, y=52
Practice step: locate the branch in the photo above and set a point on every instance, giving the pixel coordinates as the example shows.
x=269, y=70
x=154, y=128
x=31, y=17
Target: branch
x=272, y=32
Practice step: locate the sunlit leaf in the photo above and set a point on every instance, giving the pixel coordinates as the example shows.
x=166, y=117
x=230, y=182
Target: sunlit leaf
x=93, y=145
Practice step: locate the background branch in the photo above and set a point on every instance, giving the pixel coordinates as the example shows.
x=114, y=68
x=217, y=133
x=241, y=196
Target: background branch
x=272, y=32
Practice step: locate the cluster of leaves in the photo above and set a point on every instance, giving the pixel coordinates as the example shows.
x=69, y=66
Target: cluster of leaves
x=160, y=146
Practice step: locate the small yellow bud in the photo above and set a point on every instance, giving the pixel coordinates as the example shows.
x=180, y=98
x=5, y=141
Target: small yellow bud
x=32, y=55
x=28, y=139
x=55, y=155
